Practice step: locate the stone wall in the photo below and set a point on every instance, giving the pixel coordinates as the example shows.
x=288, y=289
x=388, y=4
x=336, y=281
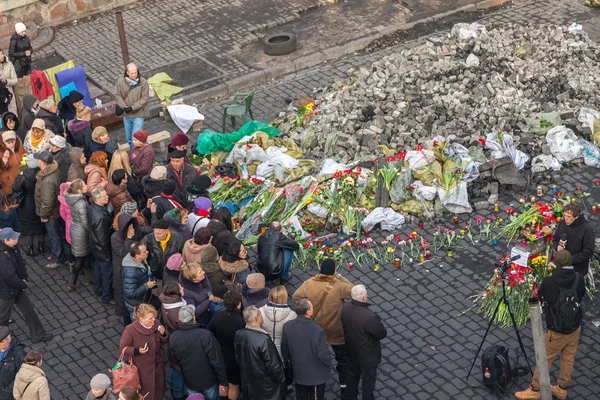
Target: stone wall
x=56, y=11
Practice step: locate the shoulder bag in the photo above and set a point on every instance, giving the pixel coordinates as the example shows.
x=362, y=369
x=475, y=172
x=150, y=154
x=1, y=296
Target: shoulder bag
x=125, y=374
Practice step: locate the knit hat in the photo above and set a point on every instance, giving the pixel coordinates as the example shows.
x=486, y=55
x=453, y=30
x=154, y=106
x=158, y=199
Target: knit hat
x=203, y=203
x=186, y=313
x=219, y=291
x=209, y=254
x=174, y=262
x=100, y=381
x=31, y=161
x=158, y=173
x=98, y=132
x=255, y=281
x=128, y=208
x=75, y=96
x=20, y=27
x=4, y=332
x=177, y=154
x=328, y=267
x=141, y=135
x=44, y=156
x=160, y=224
x=59, y=141
x=195, y=396
x=179, y=140
x=38, y=123
x=562, y=258
x=8, y=135
x=169, y=188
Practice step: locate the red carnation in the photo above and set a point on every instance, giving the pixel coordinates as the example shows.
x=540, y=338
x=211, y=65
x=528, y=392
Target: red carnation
x=482, y=141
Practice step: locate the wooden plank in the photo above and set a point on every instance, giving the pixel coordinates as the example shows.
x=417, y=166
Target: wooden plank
x=152, y=139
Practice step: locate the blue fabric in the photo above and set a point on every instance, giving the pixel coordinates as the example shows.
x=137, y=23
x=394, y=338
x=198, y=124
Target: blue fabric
x=103, y=279
x=77, y=76
x=10, y=219
x=176, y=384
x=132, y=125
x=56, y=247
x=134, y=285
x=214, y=307
x=288, y=256
x=130, y=311
x=209, y=394
x=5, y=352
x=65, y=90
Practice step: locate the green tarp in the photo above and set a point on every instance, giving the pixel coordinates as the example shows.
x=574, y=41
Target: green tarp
x=211, y=141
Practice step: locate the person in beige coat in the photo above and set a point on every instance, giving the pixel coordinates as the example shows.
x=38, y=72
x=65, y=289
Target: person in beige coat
x=327, y=311
x=31, y=382
x=8, y=76
x=132, y=95
x=96, y=171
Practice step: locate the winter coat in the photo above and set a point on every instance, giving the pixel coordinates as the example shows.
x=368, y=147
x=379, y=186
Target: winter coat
x=66, y=110
x=329, y=315
x=13, y=272
x=9, y=172
x=197, y=353
x=151, y=368
x=252, y=297
x=196, y=222
x=216, y=304
x=142, y=160
x=65, y=210
x=52, y=121
x=260, y=365
x=304, y=347
x=221, y=235
x=271, y=245
x=363, y=332
x=18, y=129
x=118, y=195
x=550, y=291
x=79, y=232
x=135, y=277
x=47, y=190
x=164, y=204
x=96, y=177
x=42, y=146
x=136, y=97
x=211, y=267
x=79, y=134
x=30, y=221
x=16, y=53
x=76, y=168
x=63, y=160
x=170, y=276
x=178, y=227
x=186, y=178
x=31, y=384
x=239, y=268
x=27, y=116
x=7, y=69
x=198, y=294
x=100, y=231
x=10, y=219
x=108, y=395
x=580, y=242
x=152, y=187
x=170, y=311
x=120, y=245
x=191, y=251
x=275, y=316
x=9, y=367
x=157, y=258
x=224, y=325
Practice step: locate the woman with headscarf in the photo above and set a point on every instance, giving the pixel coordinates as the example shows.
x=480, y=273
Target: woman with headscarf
x=33, y=232
x=10, y=122
x=8, y=77
x=77, y=167
x=101, y=142
x=96, y=171
x=20, y=50
x=178, y=218
x=11, y=153
x=142, y=155
x=79, y=129
x=30, y=107
x=38, y=137
x=48, y=112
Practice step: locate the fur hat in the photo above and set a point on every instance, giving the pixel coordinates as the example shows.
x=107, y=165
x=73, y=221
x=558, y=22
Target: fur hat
x=75, y=96
x=562, y=259
x=328, y=267
x=255, y=281
x=169, y=188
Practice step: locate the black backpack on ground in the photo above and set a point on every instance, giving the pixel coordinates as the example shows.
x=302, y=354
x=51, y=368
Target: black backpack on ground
x=566, y=313
x=495, y=367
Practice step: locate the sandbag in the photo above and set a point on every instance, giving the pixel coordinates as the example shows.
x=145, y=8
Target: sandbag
x=544, y=162
x=563, y=144
x=399, y=191
x=412, y=207
x=419, y=159
x=388, y=219
x=596, y=134
x=425, y=174
x=506, y=148
x=457, y=201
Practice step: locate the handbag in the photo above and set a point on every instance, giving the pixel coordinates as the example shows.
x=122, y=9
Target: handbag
x=125, y=374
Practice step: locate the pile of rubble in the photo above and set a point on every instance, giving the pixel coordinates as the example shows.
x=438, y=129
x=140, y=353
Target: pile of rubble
x=460, y=86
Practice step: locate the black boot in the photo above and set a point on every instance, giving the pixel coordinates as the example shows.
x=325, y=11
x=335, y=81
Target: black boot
x=29, y=251
x=41, y=248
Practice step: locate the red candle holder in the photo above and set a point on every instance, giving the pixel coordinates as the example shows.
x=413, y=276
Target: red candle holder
x=397, y=263
x=428, y=254
x=455, y=219
x=594, y=209
x=420, y=224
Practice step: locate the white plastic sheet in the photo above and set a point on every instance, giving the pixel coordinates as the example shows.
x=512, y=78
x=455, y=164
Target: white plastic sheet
x=417, y=159
x=544, y=162
x=591, y=153
x=422, y=192
x=388, y=218
x=330, y=167
x=184, y=116
x=563, y=144
x=587, y=116
x=506, y=148
x=318, y=210
x=457, y=201
x=277, y=155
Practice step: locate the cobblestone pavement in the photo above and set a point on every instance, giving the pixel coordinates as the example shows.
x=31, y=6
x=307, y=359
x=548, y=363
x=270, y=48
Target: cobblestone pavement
x=428, y=349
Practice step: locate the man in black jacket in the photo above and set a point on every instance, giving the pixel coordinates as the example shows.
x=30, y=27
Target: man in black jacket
x=363, y=331
x=275, y=253
x=101, y=230
x=304, y=348
x=260, y=365
x=579, y=236
x=12, y=354
x=157, y=254
x=13, y=283
x=198, y=355
x=159, y=205
x=558, y=340
x=181, y=173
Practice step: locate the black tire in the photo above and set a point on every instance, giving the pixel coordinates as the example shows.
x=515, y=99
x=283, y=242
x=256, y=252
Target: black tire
x=279, y=44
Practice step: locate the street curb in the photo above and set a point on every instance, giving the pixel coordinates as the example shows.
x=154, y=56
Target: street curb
x=333, y=53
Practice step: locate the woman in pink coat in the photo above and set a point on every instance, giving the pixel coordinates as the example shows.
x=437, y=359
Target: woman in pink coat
x=65, y=210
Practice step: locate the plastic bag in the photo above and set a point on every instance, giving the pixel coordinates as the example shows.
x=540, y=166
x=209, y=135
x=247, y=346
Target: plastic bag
x=422, y=192
x=591, y=153
x=457, y=201
x=587, y=117
x=330, y=167
x=227, y=169
x=317, y=210
x=277, y=155
x=211, y=141
x=534, y=124
x=399, y=191
x=563, y=144
x=184, y=116
x=419, y=159
x=464, y=32
x=293, y=225
x=506, y=148
x=544, y=162
x=388, y=218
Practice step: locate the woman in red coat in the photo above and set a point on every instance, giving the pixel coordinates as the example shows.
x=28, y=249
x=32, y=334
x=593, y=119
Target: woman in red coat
x=146, y=329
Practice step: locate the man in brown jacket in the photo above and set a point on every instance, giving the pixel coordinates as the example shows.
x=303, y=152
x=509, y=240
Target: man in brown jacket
x=132, y=98
x=327, y=292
